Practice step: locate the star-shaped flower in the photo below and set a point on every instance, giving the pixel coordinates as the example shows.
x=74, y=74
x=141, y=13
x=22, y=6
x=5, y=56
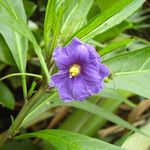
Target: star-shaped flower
x=81, y=73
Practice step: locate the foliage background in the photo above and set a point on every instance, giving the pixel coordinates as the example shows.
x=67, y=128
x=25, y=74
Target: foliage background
x=30, y=30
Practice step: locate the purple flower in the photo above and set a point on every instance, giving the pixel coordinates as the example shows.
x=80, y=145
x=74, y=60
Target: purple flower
x=81, y=72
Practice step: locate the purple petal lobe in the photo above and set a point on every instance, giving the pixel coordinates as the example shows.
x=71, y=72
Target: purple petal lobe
x=59, y=78
x=61, y=58
x=94, y=87
x=104, y=71
x=93, y=52
x=79, y=89
x=92, y=70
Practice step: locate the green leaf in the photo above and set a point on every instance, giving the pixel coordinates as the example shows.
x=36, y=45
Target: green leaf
x=115, y=45
x=16, y=23
x=37, y=110
x=56, y=33
x=86, y=123
x=76, y=17
x=95, y=43
x=47, y=102
x=109, y=18
x=6, y=97
x=5, y=54
x=115, y=95
x=68, y=140
x=94, y=11
x=42, y=117
x=113, y=32
x=131, y=71
x=17, y=44
x=13, y=21
x=83, y=122
x=49, y=20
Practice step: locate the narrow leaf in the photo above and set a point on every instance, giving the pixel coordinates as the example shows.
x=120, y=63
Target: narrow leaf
x=68, y=140
x=52, y=101
x=76, y=18
x=115, y=95
x=109, y=18
x=115, y=45
x=49, y=20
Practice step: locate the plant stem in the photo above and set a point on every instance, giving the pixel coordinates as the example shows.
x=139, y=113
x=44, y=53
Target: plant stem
x=20, y=74
x=42, y=61
x=3, y=138
x=24, y=86
x=16, y=124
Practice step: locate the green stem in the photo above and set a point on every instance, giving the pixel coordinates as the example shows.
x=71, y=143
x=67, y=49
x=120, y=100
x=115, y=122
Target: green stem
x=31, y=90
x=24, y=86
x=20, y=74
x=42, y=61
x=3, y=138
x=16, y=124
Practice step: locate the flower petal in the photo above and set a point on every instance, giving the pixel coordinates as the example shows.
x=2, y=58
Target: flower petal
x=65, y=93
x=71, y=48
x=94, y=87
x=61, y=58
x=93, y=51
x=93, y=73
x=81, y=53
x=77, y=51
x=74, y=89
x=104, y=71
x=92, y=70
x=59, y=79
x=80, y=91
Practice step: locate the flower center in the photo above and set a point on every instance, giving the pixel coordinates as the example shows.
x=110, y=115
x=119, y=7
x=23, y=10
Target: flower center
x=74, y=70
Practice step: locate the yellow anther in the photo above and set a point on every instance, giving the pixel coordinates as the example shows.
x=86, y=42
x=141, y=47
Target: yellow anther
x=74, y=70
